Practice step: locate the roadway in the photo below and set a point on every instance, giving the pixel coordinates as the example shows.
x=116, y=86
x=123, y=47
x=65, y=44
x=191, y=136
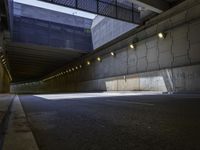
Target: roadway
x=114, y=122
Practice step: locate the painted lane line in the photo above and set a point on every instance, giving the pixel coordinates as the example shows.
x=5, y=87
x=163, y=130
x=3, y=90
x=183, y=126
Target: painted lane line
x=92, y=95
x=128, y=102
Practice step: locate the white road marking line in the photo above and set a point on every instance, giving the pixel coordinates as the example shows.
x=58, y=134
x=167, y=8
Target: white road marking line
x=93, y=95
x=129, y=102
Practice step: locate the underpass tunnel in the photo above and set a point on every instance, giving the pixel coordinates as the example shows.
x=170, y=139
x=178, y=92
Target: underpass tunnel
x=56, y=47
x=99, y=74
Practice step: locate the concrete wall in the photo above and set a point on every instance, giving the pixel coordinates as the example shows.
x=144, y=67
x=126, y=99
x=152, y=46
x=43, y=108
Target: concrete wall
x=171, y=64
x=39, y=32
x=51, y=16
x=39, y=26
x=179, y=79
x=106, y=29
x=4, y=78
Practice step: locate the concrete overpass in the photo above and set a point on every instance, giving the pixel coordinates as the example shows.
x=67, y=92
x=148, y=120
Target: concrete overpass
x=137, y=87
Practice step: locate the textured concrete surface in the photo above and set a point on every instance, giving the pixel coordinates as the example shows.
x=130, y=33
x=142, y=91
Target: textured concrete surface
x=19, y=135
x=5, y=104
x=175, y=58
x=5, y=101
x=105, y=29
x=4, y=78
x=114, y=123
x=51, y=16
x=180, y=79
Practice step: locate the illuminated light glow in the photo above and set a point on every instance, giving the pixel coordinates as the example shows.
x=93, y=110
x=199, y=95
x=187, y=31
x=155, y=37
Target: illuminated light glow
x=80, y=66
x=112, y=53
x=132, y=46
x=88, y=63
x=76, y=68
x=72, y=69
x=162, y=35
x=90, y=95
x=98, y=59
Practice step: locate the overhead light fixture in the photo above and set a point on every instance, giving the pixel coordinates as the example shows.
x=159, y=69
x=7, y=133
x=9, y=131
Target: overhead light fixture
x=162, y=35
x=98, y=59
x=132, y=46
x=88, y=63
x=112, y=53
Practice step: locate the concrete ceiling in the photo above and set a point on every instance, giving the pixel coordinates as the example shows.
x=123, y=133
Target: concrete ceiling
x=30, y=62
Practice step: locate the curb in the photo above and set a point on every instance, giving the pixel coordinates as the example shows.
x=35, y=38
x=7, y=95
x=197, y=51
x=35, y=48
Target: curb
x=4, y=122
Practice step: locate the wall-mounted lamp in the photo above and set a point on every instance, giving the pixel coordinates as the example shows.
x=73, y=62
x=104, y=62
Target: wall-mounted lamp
x=162, y=35
x=88, y=63
x=99, y=59
x=112, y=53
x=132, y=46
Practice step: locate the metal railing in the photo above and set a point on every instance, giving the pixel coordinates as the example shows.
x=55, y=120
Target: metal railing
x=117, y=9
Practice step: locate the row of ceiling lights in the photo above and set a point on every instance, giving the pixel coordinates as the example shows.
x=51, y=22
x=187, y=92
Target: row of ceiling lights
x=161, y=35
x=88, y=63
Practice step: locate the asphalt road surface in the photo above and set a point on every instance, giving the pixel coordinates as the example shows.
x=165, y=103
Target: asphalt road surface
x=155, y=122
